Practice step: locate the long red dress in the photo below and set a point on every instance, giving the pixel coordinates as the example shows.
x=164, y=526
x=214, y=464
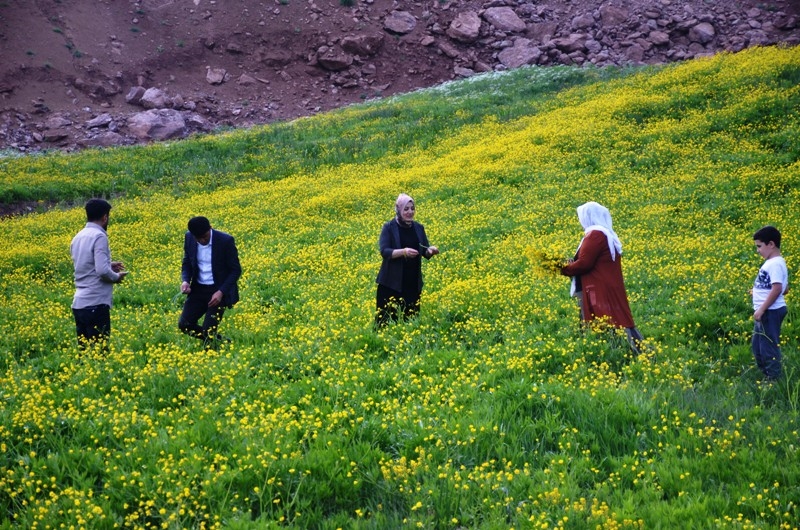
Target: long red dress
x=601, y=281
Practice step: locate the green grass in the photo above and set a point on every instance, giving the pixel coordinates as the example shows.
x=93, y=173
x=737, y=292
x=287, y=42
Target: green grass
x=273, y=152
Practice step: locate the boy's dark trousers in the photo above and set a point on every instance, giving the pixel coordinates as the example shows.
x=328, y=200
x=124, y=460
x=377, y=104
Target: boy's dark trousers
x=766, y=342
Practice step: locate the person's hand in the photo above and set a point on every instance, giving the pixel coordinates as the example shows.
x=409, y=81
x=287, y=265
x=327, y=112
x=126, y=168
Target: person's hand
x=216, y=298
x=185, y=288
x=758, y=314
x=432, y=251
x=122, y=275
x=410, y=252
x=117, y=266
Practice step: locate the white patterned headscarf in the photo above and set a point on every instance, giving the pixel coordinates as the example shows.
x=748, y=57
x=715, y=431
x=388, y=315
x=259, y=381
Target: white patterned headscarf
x=594, y=216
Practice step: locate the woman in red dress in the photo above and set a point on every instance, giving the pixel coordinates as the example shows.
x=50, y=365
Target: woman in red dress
x=596, y=273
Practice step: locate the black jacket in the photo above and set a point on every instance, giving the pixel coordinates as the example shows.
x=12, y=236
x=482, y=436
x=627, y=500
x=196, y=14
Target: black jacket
x=391, y=273
x=224, y=265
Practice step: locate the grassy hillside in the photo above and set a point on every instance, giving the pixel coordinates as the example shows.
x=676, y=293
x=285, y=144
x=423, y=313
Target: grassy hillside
x=493, y=409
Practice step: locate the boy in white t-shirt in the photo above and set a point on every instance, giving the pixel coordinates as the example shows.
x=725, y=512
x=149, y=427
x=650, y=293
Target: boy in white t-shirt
x=768, y=303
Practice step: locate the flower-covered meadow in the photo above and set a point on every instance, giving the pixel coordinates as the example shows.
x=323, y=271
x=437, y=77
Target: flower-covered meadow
x=492, y=409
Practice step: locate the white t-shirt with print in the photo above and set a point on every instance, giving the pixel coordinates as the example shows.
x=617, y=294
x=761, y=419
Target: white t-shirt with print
x=773, y=270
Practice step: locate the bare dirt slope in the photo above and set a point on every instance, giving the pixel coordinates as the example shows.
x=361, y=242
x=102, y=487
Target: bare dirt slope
x=72, y=71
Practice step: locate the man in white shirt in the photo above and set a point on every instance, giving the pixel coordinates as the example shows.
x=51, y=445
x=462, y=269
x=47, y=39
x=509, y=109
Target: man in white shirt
x=209, y=272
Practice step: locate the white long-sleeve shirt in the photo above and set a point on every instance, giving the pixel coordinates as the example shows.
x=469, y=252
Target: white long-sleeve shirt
x=94, y=277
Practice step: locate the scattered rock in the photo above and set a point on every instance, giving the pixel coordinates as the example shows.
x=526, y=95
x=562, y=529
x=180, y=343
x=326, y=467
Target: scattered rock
x=54, y=135
x=274, y=58
x=466, y=27
x=702, y=33
x=504, y=19
x=99, y=121
x=542, y=31
x=427, y=40
x=364, y=44
x=154, y=98
x=335, y=60
x=57, y=122
x=523, y=52
x=157, y=124
x=234, y=47
x=215, y=76
x=134, y=96
x=197, y=122
x=613, y=16
x=176, y=102
x=659, y=38
x=634, y=53
x=294, y=58
x=104, y=139
x=781, y=22
x=572, y=43
x=246, y=80
x=400, y=22
x=582, y=22
x=449, y=50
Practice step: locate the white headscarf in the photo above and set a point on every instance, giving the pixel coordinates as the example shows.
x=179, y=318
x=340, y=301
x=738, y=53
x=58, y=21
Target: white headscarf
x=594, y=216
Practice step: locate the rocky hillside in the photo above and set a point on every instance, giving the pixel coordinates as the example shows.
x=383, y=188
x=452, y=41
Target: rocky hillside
x=78, y=73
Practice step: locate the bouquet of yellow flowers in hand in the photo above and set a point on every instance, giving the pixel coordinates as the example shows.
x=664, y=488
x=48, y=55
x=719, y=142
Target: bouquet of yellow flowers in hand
x=546, y=261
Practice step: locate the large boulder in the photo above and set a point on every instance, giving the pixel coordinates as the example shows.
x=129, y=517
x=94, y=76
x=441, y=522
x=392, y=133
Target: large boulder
x=504, y=19
x=57, y=122
x=658, y=38
x=274, y=58
x=702, y=33
x=583, y=21
x=523, y=52
x=157, y=124
x=364, y=44
x=103, y=120
x=542, y=32
x=575, y=42
x=134, y=96
x=335, y=60
x=103, y=139
x=466, y=27
x=215, y=76
x=400, y=22
x=612, y=16
x=155, y=98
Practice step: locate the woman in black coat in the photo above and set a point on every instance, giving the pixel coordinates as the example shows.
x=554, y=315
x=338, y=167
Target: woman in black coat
x=402, y=243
